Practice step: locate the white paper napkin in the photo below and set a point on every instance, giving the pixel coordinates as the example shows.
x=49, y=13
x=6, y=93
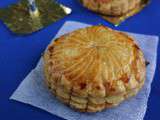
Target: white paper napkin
x=33, y=91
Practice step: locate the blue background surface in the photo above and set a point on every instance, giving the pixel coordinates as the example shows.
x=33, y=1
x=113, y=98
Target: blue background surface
x=19, y=55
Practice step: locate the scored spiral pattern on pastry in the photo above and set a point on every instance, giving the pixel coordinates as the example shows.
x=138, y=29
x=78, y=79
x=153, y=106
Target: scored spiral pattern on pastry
x=111, y=7
x=94, y=68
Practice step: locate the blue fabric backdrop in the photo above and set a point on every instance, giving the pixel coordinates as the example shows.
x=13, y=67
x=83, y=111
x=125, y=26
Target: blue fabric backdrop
x=19, y=55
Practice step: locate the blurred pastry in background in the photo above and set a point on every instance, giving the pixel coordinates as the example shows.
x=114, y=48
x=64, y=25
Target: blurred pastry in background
x=115, y=11
x=111, y=7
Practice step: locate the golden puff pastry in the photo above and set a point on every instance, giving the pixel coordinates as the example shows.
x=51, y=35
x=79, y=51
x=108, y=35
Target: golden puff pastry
x=111, y=7
x=94, y=68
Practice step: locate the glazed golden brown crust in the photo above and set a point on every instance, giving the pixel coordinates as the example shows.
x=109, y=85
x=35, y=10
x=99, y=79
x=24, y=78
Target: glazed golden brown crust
x=111, y=7
x=94, y=68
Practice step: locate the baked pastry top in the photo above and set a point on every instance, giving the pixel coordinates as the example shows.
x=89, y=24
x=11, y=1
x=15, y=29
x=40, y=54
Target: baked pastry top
x=111, y=7
x=94, y=68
